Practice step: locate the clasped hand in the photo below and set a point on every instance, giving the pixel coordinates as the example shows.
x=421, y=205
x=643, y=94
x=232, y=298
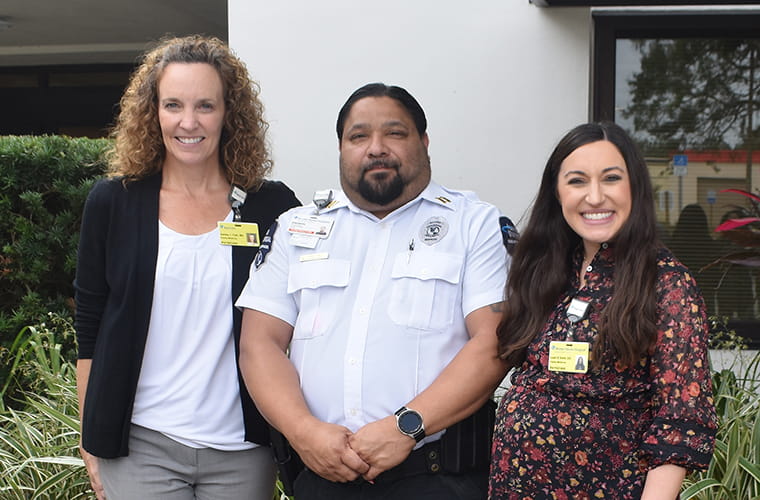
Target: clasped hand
x=335, y=453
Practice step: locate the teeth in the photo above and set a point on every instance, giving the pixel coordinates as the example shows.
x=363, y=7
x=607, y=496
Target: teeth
x=597, y=215
x=189, y=140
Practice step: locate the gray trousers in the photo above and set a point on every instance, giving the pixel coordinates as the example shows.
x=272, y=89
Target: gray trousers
x=159, y=468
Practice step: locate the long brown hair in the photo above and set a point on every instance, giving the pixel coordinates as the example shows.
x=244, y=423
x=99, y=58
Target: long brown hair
x=542, y=263
x=138, y=149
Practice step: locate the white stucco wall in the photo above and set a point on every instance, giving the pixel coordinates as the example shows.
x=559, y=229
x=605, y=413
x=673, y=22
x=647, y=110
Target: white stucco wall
x=500, y=81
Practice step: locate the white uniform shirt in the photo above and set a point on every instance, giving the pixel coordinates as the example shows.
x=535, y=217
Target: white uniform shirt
x=378, y=306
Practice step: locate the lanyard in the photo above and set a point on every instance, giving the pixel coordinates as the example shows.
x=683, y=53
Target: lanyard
x=237, y=198
x=322, y=199
x=576, y=311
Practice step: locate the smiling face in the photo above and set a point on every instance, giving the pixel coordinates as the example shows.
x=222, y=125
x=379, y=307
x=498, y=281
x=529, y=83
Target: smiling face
x=383, y=160
x=594, y=191
x=191, y=113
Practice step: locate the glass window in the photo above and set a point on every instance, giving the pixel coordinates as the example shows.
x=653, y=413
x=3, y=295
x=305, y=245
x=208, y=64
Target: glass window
x=687, y=88
x=70, y=100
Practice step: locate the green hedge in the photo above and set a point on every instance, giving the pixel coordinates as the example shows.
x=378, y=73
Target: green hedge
x=44, y=182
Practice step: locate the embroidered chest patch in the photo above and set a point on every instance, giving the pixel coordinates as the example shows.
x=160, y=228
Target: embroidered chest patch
x=433, y=230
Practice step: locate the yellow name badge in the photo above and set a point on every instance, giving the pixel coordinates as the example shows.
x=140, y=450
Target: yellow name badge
x=239, y=234
x=569, y=357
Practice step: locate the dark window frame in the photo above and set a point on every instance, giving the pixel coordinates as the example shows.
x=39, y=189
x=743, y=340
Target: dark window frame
x=610, y=25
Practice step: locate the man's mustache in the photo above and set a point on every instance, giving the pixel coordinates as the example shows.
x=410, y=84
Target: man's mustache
x=380, y=164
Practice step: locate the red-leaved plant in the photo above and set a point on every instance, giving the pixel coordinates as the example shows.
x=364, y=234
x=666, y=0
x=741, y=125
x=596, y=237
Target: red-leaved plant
x=743, y=229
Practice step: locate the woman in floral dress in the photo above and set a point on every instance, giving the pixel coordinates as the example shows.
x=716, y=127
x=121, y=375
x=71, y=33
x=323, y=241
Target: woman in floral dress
x=612, y=395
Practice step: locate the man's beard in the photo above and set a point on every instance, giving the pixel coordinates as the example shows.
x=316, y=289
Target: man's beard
x=382, y=188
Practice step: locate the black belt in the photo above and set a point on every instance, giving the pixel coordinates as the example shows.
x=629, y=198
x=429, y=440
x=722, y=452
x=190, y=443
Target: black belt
x=424, y=460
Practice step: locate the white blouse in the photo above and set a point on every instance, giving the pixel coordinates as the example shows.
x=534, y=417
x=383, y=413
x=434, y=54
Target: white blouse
x=188, y=387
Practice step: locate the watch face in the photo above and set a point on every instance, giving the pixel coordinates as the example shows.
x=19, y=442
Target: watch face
x=410, y=422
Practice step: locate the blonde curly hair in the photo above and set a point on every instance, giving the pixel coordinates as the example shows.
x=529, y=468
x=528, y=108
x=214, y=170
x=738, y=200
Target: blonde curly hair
x=138, y=150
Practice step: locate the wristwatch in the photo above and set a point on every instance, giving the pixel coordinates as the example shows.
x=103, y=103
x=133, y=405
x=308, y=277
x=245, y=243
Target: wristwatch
x=409, y=422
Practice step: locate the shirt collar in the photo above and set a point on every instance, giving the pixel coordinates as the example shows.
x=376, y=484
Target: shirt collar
x=604, y=256
x=437, y=194
x=340, y=200
x=601, y=267
x=433, y=193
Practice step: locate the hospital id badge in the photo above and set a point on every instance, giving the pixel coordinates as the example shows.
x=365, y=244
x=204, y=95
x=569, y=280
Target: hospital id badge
x=314, y=226
x=570, y=357
x=239, y=234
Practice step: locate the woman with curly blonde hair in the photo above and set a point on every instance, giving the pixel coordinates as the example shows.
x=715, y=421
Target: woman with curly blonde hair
x=164, y=251
x=138, y=147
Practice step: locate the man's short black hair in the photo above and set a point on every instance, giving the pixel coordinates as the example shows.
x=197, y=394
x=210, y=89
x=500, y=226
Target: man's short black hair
x=382, y=90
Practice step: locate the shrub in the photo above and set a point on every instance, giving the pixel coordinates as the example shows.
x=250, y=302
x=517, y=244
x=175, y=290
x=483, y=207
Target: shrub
x=39, y=453
x=39, y=443
x=723, y=337
x=44, y=182
x=734, y=471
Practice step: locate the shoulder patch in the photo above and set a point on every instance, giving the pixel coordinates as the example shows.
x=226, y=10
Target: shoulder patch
x=266, y=245
x=508, y=233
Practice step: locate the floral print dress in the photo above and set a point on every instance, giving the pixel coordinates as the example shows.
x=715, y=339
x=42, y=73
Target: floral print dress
x=594, y=435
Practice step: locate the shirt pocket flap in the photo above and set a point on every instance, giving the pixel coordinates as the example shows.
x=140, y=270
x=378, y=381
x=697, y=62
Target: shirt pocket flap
x=424, y=266
x=318, y=273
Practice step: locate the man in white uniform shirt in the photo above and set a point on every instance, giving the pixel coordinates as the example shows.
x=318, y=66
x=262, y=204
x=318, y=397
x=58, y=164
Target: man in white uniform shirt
x=386, y=296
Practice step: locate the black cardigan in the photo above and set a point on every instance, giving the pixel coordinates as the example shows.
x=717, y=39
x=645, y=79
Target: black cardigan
x=116, y=265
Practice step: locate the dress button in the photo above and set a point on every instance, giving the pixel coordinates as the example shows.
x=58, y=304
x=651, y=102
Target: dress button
x=589, y=269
